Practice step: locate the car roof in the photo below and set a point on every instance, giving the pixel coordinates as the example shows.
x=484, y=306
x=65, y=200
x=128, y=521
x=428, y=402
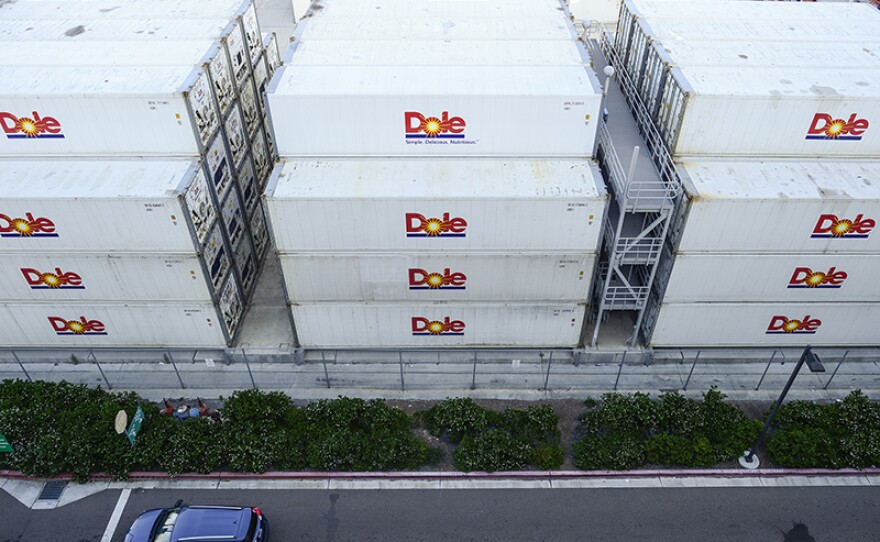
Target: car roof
x=211, y=523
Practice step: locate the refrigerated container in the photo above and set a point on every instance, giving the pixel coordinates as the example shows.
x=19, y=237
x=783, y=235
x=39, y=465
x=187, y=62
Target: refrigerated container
x=516, y=111
x=747, y=54
x=118, y=276
x=53, y=10
x=436, y=205
x=365, y=52
x=404, y=30
x=113, y=53
x=779, y=207
x=437, y=277
x=510, y=9
x=793, y=278
x=144, y=29
x=273, y=56
x=782, y=324
x=114, y=324
x=429, y=325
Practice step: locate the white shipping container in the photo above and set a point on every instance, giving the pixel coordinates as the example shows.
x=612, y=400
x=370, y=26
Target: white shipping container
x=728, y=111
x=273, y=56
x=436, y=277
x=383, y=9
x=60, y=206
x=739, y=10
x=144, y=29
x=766, y=325
x=435, y=111
x=781, y=207
x=106, y=111
x=364, y=52
x=111, y=324
x=53, y=10
x=404, y=30
x=102, y=277
x=98, y=53
x=812, y=30
x=436, y=205
x=429, y=325
x=793, y=278
x=750, y=54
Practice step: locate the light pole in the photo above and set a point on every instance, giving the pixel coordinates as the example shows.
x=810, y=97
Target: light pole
x=748, y=459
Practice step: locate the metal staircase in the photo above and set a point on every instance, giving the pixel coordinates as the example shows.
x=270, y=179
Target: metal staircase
x=645, y=189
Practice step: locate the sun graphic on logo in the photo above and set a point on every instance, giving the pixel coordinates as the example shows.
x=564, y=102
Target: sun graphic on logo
x=841, y=228
x=791, y=326
x=431, y=126
x=22, y=226
x=815, y=279
x=76, y=327
x=435, y=328
x=433, y=226
x=435, y=280
x=835, y=128
x=29, y=127
x=51, y=280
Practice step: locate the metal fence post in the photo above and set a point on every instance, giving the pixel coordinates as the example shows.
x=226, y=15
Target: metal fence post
x=839, y=363
x=549, y=364
x=400, y=359
x=767, y=368
x=326, y=375
x=20, y=364
x=474, y=376
x=696, y=358
x=247, y=364
x=174, y=364
x=620, y=370
x=95, y=359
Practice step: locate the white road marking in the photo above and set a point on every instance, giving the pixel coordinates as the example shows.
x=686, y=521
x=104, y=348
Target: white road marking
x=116, y=516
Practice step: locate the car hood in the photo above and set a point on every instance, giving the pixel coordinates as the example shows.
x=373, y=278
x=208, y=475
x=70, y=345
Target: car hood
x=142, y=526
x=219, y=522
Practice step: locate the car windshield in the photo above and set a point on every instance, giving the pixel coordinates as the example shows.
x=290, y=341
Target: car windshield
x=166, y=525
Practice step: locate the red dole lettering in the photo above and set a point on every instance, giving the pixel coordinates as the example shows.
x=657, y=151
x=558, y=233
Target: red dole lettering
x=417, y=225
x=58, y=279
x=82, y=326
x=784, y=324
x=419, y=279
x=804, y=277
x=830, y=226
x=424, y=326
x=33, y=127
x=824, y=126
x=420, y=127
x=26, y=227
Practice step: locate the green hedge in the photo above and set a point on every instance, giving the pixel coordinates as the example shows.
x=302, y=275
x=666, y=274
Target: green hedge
x=629, y=431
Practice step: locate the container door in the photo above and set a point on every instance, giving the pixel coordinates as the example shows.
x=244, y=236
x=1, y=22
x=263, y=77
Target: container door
x=221, y=75
x=219, y=170
x=235, y=135
x=201, y=105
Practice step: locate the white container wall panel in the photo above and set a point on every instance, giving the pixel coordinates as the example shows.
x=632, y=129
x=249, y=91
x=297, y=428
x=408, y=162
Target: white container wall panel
x=723, y=111
x=429, y=277
x=766, y=325
x=403, y=30
x=111, y=324
x=805, y=278
x=781, y=207
x=51, y=10
x=435, y=111
x=364, y=52
x=512, y=9
x=142, y=29
x=429, y=325
x=436, y=205
x=91, y=206
x=103, y=277
x=749, y=54
x=106, y=111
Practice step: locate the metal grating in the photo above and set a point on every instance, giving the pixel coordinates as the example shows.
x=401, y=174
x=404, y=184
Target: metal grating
x=52, y=491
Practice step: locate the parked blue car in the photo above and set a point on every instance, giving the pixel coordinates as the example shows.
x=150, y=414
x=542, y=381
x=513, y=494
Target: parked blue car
x=203, y=523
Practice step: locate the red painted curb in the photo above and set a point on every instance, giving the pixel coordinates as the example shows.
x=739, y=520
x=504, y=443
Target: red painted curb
x=451, y=475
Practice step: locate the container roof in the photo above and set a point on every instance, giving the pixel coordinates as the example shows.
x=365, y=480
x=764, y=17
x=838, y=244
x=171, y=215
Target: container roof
x=770, y=29
x=82, y=81
x=91, y=179
x=120, y=9
x=747, y=54
x=747, y=10
x=438, y=179
x=783, y=179
x=113, y=53
x=435, y=81
x=143, y=29
x=476, y=28
x=784, y=82
x=430, y=9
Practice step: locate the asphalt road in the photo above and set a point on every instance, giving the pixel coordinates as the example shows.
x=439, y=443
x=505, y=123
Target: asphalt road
x=812, y=514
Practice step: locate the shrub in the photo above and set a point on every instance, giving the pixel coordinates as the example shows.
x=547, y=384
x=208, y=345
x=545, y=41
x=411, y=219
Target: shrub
x=615, y=451
x=490, y=451
x=458, y=418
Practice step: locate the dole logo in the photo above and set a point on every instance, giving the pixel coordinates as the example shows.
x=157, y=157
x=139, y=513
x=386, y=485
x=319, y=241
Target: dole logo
x=419, y=279
x=52, y=280
x=804, y=277
x=831, y=226
x=417, y=225
x=420, y=127
x=30, y=127
x=424, y=326
x=82, y=326
x=826, y=127
x=784, y=324
x=26, y=227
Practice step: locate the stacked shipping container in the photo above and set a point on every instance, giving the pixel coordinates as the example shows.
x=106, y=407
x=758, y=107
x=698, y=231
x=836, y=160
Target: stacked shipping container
x=436, y=191
x=768, y=113
x=145, y=148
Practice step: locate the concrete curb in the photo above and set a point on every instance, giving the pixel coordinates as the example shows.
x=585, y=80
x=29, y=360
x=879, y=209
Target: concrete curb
x=454, y=475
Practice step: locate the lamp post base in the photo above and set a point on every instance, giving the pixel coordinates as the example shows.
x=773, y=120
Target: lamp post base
x=746, y=463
